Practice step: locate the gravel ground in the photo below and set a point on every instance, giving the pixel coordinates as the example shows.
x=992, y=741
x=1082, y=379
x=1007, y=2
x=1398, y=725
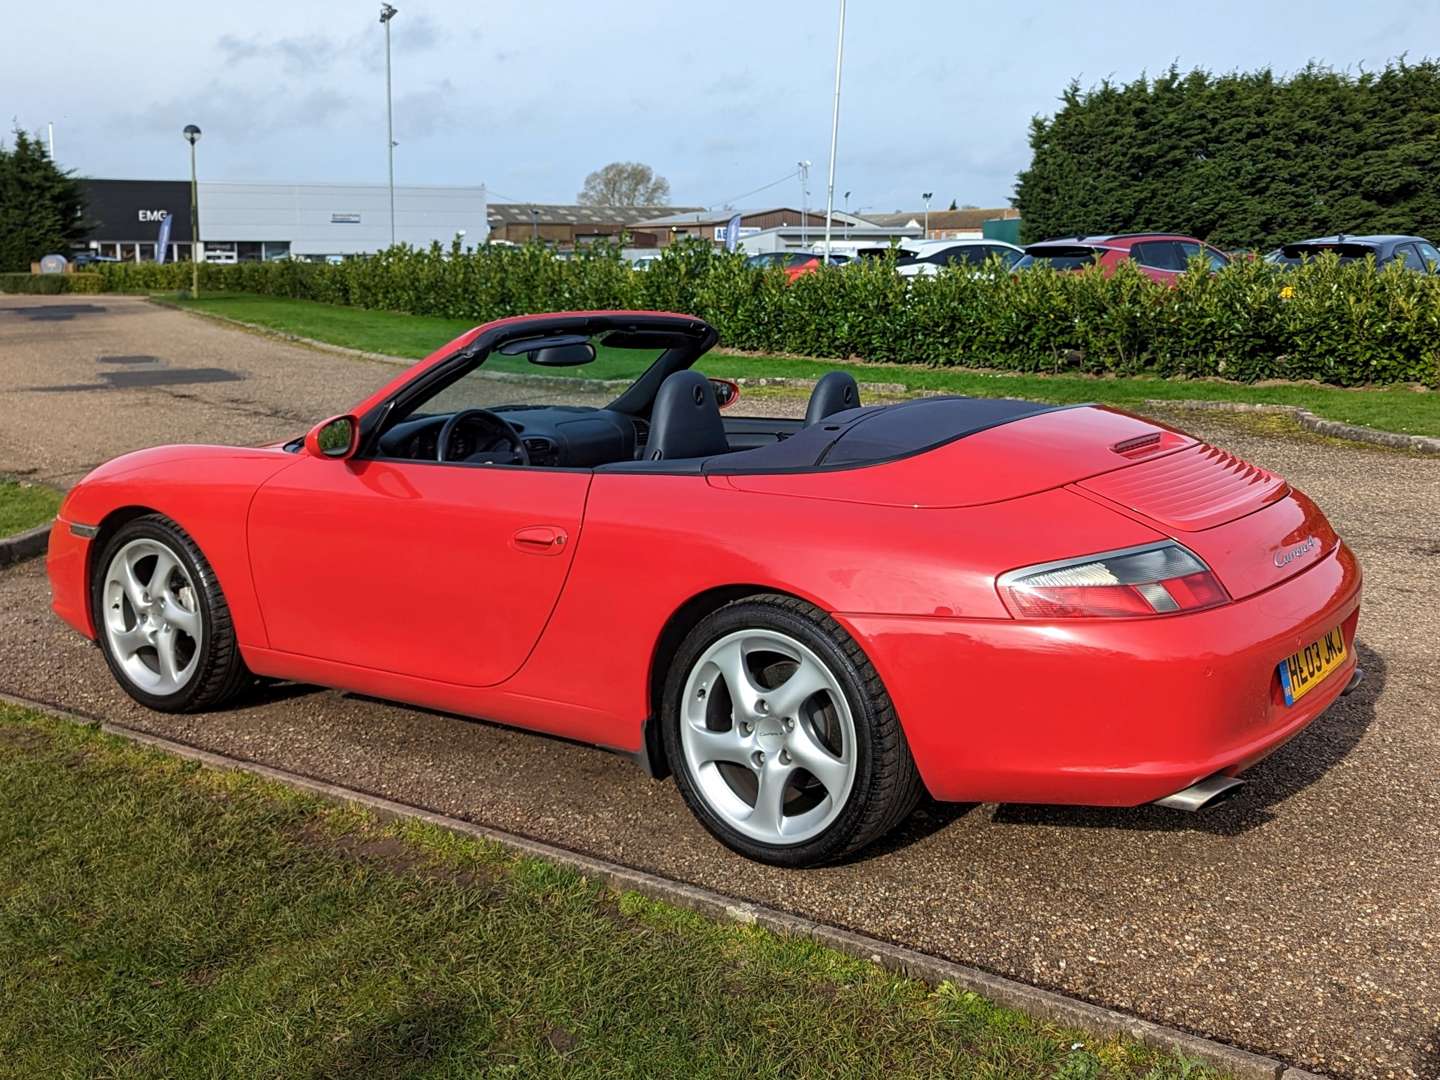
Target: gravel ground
x=1302, y=918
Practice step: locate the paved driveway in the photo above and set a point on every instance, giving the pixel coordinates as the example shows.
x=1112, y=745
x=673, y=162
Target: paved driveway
x=1301, y=918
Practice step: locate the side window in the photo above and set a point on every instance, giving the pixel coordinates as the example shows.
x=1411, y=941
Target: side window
x=1159, y=255
x=1430, y=255
x=945, y=256
x=1412, y=258
x=1189, y=249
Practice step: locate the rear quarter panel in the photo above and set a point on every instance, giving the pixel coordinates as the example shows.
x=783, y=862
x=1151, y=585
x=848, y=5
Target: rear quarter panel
x=653, y=542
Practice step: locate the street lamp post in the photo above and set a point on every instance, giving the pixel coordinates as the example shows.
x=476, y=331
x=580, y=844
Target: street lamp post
x=534, y=224
x=834, y=130
x=926, y=195
x=804, y=168
x=192, y=136
x=386, y=14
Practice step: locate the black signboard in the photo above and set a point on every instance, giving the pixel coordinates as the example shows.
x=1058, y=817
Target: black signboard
x=130, y=211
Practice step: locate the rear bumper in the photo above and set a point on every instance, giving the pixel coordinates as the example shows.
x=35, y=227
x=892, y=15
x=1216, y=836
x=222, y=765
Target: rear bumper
x=67, y=563
x=1108, y=712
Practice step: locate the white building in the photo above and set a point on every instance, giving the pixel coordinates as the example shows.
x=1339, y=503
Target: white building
x=319, y=220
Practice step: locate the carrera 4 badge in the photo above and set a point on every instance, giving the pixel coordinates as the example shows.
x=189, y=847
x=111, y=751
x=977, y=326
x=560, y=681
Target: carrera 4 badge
x=1289, y=555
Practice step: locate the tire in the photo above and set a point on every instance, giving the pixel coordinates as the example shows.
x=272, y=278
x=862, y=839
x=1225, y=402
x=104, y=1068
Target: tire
x=762, y=692
x=170, y=645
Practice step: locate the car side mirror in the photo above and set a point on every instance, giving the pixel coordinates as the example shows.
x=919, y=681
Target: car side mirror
x=336, y=438
x=726, y=392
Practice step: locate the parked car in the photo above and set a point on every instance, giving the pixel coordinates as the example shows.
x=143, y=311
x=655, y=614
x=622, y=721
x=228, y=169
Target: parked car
x=923, y=258
x=1413, y=252
x=90, y=258
x=1159, y=256
x=785, y=259
x=794, y=263
x=809, y=622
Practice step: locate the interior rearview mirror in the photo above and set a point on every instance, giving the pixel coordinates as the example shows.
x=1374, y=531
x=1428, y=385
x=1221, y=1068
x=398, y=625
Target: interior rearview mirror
x=569, y=355
x=726, y=392
x=334, y=438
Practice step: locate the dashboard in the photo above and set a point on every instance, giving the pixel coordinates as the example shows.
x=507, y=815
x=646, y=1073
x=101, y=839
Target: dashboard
x=557, y=436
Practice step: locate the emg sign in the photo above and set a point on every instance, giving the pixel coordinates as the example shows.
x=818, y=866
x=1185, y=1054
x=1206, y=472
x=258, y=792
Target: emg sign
x=154, y=215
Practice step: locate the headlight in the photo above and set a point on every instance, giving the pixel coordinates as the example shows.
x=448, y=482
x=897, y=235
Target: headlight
x=1157, y=579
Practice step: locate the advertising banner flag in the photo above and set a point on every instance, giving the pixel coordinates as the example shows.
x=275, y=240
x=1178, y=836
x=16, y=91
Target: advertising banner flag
x=162, y=242
x=732, y=233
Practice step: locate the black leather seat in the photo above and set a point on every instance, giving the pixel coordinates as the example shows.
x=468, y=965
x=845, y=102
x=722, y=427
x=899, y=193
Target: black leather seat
x=835, y=392
x=685, y=422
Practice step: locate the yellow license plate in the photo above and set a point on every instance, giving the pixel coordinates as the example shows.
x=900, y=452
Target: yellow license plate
x=1303, y=671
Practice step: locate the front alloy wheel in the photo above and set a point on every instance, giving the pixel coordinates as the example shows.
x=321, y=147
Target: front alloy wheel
x=162, y=621
x=152, y=617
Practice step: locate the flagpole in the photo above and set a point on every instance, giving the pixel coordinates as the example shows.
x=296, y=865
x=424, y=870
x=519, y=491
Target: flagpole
x=834, y=130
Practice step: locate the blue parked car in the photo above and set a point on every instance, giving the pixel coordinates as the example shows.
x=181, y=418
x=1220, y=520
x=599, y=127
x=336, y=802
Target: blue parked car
x=1414, y=252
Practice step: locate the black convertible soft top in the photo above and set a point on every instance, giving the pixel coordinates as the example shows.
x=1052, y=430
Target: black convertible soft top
x=858, y=437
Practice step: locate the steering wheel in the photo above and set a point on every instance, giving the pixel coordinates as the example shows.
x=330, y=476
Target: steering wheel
x=495, y=441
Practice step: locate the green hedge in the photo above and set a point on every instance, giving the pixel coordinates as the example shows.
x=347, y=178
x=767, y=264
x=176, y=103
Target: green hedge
x=1347, y=325
x=51, y=284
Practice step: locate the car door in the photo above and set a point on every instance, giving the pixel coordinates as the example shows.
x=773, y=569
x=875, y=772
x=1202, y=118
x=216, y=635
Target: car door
x=446, y=572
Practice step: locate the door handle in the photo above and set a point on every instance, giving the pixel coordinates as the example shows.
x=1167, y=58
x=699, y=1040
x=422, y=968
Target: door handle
x=540, y=540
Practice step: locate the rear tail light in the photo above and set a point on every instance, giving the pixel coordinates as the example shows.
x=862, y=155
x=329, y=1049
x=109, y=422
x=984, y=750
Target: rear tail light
x=1157, y=579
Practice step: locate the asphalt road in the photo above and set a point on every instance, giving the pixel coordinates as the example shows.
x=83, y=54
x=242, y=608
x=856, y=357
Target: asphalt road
x=1302, y=918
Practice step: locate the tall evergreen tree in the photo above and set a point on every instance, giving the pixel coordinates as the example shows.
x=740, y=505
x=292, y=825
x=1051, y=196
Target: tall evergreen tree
x=41, y=206
x=1243, y=160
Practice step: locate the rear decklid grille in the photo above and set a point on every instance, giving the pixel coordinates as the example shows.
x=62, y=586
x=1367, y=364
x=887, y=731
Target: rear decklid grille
x=1195, y=489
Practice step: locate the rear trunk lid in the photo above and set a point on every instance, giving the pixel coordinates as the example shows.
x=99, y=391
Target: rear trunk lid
x=1194, y=489
x=1251, y=528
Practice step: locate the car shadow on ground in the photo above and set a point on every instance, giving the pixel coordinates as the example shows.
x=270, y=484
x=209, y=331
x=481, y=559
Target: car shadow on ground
x=1291, y=769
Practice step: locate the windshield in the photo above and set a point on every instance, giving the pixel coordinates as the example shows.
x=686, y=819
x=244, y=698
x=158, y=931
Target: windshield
x=478, y=388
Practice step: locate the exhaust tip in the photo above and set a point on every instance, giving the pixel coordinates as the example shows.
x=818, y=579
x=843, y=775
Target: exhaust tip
x=1202, y=793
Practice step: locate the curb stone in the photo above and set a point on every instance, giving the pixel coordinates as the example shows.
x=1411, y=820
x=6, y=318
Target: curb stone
x=25, y=545
x=1042, y=1004
x=1307, y=420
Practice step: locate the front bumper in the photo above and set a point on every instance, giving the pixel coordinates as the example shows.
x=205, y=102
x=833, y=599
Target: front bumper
x=1107, y=712
x=67, y=564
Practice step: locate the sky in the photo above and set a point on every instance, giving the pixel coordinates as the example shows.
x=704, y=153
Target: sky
x=720, y=98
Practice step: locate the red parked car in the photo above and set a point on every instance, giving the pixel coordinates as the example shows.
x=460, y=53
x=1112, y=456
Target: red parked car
x=1160, y=256
x=794, y=263
x=807, y=622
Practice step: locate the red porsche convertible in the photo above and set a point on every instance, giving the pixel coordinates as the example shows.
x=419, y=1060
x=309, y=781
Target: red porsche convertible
x=807, y=622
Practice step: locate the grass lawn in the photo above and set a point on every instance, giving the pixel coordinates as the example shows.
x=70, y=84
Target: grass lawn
x=159, y=918
x=24, y=506
x=1392, y=408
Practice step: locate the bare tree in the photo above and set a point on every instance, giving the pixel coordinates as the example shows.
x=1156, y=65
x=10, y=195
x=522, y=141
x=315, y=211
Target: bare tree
x=624, y=183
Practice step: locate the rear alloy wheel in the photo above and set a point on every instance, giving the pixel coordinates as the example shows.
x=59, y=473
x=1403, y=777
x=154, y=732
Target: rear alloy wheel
x=782, y=739
x=162, y=621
